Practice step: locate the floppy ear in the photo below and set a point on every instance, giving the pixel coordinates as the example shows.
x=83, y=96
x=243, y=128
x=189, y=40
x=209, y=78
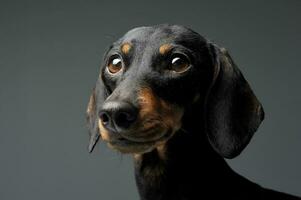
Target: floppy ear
x=233, y=112
x=91, y=118
x=98, y=96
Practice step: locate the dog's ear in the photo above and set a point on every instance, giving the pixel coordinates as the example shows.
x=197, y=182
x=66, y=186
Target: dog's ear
x=98, y=96
x=233, y=113
x=91, y=118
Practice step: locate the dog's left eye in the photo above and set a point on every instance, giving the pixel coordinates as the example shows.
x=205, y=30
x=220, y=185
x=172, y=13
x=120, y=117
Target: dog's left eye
x=179, y=63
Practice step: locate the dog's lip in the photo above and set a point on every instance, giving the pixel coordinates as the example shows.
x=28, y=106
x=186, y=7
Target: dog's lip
x=124, y=141
x=124, y=145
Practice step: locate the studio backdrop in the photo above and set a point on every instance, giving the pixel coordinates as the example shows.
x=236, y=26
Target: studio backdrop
x=50, y=53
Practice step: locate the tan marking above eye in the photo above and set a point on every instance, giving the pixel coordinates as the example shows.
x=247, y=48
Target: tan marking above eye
x=126, y=47
x=165, y=48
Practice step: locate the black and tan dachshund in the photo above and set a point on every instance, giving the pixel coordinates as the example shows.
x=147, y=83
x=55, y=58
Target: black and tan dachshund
x=178, y=104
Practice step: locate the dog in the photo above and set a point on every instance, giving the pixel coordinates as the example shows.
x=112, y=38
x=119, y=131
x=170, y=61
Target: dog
x=178, y=103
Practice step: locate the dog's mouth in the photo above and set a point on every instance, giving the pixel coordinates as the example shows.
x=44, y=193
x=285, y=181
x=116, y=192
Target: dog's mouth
x=125, y=144
x=156, y=123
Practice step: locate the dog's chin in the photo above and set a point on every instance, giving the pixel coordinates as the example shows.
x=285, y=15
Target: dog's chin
x=128, y=146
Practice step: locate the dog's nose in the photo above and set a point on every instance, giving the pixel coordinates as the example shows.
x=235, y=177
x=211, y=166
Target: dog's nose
x=118, y=115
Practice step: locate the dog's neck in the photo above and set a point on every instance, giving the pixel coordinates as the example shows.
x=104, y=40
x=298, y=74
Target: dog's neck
x=183, y=168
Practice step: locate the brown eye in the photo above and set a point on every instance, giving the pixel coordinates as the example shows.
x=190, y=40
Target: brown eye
x=179, y=63
x=114, y=64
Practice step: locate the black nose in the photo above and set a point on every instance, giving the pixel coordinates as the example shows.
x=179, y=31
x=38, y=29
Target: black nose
x=118, y=115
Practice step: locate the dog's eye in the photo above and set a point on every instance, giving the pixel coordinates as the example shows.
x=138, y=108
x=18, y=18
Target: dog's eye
x=115, y=64
x=179, y=63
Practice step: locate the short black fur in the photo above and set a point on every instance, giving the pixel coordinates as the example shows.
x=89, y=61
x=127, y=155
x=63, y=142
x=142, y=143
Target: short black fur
x=220, y=115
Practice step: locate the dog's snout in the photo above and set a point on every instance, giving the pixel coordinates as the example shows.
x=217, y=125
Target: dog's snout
x=105, y=117
x=118, y=115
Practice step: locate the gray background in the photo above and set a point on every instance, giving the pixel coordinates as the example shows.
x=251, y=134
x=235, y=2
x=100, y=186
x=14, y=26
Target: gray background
x=49, y=58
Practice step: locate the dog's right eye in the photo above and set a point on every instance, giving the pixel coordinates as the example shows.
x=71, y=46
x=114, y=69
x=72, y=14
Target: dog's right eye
x=115, y=64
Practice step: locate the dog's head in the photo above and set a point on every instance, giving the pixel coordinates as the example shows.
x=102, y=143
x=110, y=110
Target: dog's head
x=151, y=75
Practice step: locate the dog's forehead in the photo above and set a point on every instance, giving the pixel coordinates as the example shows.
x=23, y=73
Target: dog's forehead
x=159, y=34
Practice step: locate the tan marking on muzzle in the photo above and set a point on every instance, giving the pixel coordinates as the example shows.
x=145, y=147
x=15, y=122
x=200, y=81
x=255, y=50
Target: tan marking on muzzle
x=155, y=108
x=103, y=132
x=126, y=47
